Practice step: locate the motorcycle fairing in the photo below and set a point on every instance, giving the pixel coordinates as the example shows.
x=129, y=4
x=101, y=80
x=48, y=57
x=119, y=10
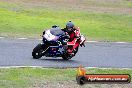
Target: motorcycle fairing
x=55, y=51
x=49, y=36
x=82, y=39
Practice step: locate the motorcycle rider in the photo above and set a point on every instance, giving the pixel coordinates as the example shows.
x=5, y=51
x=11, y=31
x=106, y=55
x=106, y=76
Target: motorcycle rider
x=74, y=33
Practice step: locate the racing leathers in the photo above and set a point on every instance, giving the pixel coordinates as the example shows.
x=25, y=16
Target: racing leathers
x=74, y=40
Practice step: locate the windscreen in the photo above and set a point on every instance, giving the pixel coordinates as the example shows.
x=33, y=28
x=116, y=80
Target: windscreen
x=57, y=31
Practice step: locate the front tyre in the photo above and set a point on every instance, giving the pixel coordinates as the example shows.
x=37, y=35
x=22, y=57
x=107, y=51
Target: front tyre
x=37, y=52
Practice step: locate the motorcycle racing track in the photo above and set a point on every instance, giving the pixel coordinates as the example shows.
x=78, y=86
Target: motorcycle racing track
x=16, y=52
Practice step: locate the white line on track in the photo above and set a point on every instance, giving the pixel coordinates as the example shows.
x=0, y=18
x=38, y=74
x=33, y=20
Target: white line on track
x=39, y=39
x=1, y=37
x=58, y=67
x=106, y=68
x=22, y=38
x=121, y=42
x=86, y=41
x=91, y=41
x=22, y=67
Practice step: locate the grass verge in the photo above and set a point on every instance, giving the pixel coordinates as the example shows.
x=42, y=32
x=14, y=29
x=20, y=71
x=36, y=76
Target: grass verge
x=42, y=77
x=17, y=20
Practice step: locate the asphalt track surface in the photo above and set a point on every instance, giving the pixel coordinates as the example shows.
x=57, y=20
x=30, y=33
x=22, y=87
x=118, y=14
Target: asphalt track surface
x=15, y=52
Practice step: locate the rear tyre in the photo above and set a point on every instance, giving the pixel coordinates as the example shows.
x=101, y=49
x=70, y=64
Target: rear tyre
x=37, y=52
x=76, y=50
x=66, y=57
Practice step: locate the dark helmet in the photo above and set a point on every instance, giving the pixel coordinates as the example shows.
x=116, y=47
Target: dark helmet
x=69, y=25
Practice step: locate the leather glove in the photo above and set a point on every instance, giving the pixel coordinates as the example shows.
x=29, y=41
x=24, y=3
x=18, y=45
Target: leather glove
x=64, y=43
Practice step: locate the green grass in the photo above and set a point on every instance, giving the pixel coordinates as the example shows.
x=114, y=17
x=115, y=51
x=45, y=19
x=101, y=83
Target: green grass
x=27, y=77
x=19, y=21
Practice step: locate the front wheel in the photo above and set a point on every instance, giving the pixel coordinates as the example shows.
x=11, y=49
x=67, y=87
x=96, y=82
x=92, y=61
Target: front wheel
x=37, y=52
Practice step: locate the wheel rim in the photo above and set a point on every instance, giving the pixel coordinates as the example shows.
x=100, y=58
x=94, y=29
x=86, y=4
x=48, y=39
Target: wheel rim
x=38, y=54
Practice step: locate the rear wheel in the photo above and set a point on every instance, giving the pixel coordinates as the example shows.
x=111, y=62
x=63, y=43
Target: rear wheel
x=37, y=51
x=75, y=51
x=66, y=57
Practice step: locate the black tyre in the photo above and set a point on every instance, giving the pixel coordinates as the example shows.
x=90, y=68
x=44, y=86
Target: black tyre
x=76, y=50
x=66, y=57
x=37, y=51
